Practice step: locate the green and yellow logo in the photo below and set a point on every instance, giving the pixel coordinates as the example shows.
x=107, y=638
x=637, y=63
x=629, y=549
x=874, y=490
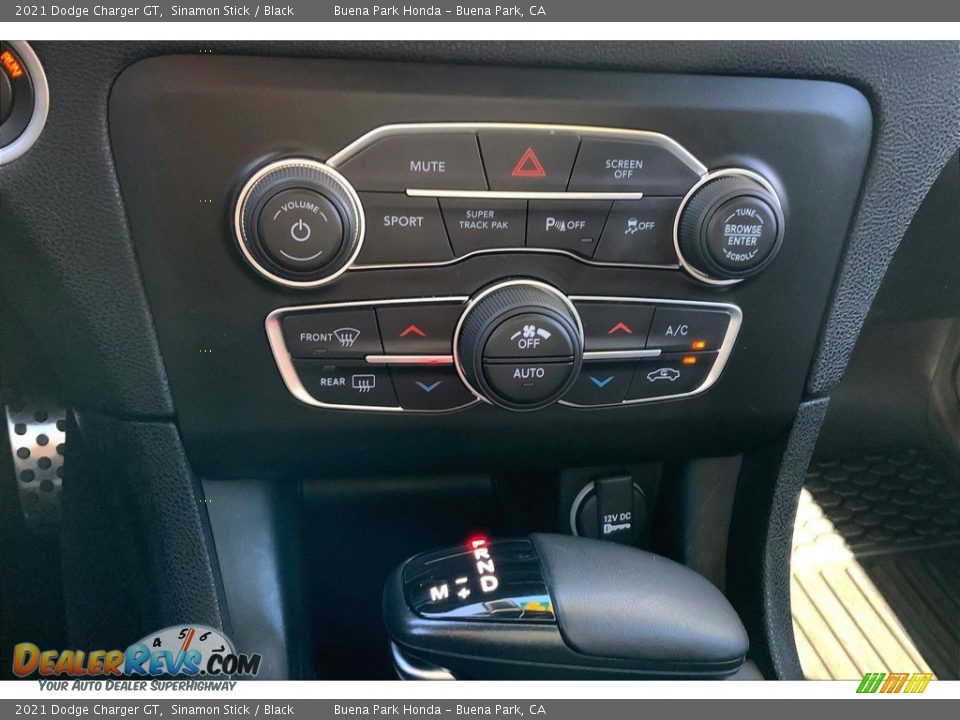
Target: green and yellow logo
x=894, y=682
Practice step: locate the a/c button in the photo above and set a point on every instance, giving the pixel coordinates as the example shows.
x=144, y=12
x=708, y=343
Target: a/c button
x=685, y=329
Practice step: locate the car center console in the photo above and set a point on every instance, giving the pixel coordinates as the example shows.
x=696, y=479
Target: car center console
x=436, y=194
x=409, y=254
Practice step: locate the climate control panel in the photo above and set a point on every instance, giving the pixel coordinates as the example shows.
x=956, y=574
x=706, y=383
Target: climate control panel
x=434, y=194
x=520, y=345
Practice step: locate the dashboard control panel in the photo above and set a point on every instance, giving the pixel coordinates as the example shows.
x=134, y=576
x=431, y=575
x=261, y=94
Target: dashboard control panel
x=690, y=227
x=519, y=344
x=421, y=195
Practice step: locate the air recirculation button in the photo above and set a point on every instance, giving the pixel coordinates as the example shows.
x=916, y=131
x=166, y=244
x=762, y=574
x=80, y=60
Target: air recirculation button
x=520, y=345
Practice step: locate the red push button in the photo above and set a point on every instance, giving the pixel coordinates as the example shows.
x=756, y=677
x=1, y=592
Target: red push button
x=418, y=329
x=528, y=160
x=614, y=326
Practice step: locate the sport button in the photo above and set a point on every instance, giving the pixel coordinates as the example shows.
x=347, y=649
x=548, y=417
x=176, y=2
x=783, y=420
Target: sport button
x=402, y=229
x=526, y=160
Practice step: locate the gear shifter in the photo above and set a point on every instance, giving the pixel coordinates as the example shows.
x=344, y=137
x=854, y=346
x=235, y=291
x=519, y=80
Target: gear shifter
x=554, y=606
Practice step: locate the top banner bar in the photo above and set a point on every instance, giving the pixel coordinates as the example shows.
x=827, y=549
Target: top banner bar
x=578, y=11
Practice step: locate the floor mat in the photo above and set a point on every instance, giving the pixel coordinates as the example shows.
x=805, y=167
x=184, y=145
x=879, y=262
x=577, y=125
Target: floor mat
x=876, y=566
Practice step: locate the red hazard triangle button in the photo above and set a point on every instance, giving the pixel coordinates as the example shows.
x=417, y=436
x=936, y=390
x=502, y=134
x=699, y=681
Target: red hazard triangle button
x=529, y=166
x=528, y=159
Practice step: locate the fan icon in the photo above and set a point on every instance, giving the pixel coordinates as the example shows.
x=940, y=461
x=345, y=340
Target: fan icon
x=529, y=331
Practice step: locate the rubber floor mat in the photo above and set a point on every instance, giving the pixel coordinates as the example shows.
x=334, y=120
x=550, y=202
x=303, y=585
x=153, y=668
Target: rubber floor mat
x=876, y=565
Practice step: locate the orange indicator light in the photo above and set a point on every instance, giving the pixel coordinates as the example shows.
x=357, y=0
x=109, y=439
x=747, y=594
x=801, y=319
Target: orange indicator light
x=690, y=360
x=698, y=344
x=11, y=64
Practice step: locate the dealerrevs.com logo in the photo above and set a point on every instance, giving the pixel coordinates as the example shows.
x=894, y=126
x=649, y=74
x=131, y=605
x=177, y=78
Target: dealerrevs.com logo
x=193, y=651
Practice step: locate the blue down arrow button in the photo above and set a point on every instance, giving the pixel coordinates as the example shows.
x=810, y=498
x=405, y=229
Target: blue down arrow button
x=601, y=384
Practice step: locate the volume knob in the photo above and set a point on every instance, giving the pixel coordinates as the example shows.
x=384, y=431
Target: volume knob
x=730, y=228
x=299, y=222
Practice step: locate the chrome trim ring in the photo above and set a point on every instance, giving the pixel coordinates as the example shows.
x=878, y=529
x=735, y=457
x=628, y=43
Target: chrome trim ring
x=293, y=384
x=240, y=230
x=500, y=251
x=664, y=141
x=41, y=104
x=579, y=500
x=708, y=177
x=524, y=195
x=583, y=131
x=407, y=670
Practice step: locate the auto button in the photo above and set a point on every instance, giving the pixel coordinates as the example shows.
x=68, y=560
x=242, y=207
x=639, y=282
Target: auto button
x=525, y=382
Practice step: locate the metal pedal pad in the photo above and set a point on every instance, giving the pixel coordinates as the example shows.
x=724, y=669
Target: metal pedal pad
x=37, y=433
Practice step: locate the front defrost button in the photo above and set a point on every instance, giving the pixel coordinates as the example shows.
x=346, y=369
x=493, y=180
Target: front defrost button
x=332, y=333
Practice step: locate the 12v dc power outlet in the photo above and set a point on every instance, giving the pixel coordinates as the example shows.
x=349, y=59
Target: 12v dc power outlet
x=611, y=508
x=616, y=519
